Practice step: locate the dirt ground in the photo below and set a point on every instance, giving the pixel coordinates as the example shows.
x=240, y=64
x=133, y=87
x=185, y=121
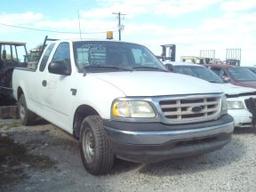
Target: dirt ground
x=44, y=158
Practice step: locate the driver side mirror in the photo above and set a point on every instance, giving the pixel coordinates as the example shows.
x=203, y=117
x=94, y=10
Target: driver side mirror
x=169, y=67
x=60, y=68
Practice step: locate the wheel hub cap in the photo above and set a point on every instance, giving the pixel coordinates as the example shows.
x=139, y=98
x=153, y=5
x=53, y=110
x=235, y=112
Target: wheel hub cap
x=88, y=145
x=22, y=112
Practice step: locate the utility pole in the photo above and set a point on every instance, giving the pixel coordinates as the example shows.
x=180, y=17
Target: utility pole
x=120, y=26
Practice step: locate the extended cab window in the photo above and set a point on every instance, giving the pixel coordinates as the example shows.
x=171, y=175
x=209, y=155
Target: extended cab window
x=62, y=54
x=46, y=57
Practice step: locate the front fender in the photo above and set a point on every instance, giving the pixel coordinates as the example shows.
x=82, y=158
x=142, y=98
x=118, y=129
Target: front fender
x=96, y=94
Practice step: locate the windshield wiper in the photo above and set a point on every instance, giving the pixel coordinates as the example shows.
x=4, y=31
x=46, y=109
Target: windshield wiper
x=142, y=68
x=105, y=67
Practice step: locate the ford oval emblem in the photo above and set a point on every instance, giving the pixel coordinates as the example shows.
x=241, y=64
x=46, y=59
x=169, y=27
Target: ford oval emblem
x=197, y=109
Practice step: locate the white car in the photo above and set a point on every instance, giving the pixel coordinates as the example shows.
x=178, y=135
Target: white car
x=236, y=95
x=119, y=100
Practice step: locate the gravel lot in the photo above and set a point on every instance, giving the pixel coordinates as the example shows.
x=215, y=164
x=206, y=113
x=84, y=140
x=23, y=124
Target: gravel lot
x=43, y=158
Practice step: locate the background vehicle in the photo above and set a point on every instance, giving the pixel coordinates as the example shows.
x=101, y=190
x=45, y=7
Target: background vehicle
x=12, y=54
x=236, y=75
x=236, y=95
x=119, y=100
x=168, y=52
x=253, y=69
x=196, y=60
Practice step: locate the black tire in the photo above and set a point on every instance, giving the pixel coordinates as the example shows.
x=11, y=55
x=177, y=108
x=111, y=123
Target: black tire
x=92, y=137
x=26, y=116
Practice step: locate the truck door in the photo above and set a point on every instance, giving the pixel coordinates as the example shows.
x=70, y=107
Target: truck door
x=59, y=95
x=38, y=94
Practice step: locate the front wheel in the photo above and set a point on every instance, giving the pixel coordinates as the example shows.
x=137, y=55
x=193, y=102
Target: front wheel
x=95, y=146
x=26, y=116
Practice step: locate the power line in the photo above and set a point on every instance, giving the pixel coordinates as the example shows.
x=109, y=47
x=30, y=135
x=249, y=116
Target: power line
x=50, y=31
x=120, y=27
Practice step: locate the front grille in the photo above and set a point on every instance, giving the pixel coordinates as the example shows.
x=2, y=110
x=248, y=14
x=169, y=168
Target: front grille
x=190, y=109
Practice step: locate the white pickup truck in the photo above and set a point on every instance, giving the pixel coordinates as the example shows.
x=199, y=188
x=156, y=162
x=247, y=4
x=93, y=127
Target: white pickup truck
x=120, y=101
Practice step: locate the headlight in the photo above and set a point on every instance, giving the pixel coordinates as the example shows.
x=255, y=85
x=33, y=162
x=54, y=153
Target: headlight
x=132, y=109
x=224, y=106
x=235, y=105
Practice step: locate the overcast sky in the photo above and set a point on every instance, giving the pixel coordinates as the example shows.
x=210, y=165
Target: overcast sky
x=192, y=25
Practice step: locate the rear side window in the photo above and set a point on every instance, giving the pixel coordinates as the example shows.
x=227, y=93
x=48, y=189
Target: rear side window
x=46, y=57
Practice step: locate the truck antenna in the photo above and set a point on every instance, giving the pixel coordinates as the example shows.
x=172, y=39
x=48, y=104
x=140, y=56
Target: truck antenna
x=79, y=24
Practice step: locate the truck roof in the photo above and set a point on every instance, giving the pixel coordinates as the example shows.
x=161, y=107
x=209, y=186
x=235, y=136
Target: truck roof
x=93, y=40
x=12, y=43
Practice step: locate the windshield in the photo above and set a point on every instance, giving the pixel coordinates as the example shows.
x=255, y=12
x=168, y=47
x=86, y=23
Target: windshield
x=199, y=72
x=241, y=74
x=98, y=56
x=253, y=69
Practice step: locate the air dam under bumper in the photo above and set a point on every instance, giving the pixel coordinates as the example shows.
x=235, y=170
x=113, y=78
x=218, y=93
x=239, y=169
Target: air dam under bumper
x=151, y=142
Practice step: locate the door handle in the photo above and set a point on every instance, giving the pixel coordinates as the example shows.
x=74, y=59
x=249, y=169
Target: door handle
x=44, y=83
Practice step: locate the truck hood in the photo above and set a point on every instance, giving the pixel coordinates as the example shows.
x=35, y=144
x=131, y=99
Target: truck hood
x=230, y=89
x=141, y=83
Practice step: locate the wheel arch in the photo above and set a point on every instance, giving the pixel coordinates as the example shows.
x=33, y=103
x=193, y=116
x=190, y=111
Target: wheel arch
x=81, y=112
x=19, y=92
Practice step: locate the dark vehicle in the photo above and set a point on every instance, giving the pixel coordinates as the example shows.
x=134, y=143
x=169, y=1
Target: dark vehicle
x=236, y=75
x=12, y=54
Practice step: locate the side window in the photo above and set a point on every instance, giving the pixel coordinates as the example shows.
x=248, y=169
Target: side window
x=46, y=57
x=221, y=73
x=216, y=70
x=224, y=75
x=62, y=54
x=20, y=55
x=61, y=58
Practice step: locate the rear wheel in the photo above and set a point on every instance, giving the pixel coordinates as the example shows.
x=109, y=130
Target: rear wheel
x=95, y=146
x=26, y=116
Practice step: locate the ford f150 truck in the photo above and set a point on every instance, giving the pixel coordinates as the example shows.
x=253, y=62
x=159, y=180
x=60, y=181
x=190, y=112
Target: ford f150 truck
x=119, y=100
x=236, y=95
